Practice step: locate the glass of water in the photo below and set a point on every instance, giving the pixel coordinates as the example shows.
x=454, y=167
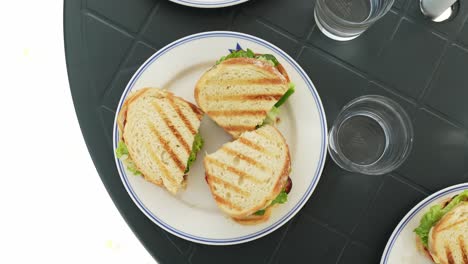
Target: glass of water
x=347, y=19
x=371, y=135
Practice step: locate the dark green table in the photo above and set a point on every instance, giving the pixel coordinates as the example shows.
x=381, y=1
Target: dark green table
x=348, y=219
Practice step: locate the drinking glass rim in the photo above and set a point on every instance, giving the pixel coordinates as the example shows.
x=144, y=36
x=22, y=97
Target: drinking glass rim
x=388, y=102
x=385, y=11
x=403, y=117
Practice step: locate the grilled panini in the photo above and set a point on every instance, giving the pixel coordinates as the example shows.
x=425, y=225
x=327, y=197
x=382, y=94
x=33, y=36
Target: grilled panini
x=444, y=231
x=448, y=239
x=249, y=175
x=238, y=93
x=159, y=136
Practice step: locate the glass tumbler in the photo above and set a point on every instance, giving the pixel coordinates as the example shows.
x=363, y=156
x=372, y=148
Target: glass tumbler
x=347, y=19
x=372, y=135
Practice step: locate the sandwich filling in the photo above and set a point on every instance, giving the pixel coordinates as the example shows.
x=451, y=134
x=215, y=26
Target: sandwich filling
x=124, y=156
x=272, y=115
x=281, y=198
x=196, y=146
x=433, y=216
x=274, y=111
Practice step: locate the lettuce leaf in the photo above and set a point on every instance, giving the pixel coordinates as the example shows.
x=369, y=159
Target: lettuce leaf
x=268, y=57
x=265, y=60
x=270, y=119
x=434, y=214
x=281, y=198
x=289, y=92
x=131, y=166
x=196, y=146
x=122, y=154
x=260, y=212
x=121, y=149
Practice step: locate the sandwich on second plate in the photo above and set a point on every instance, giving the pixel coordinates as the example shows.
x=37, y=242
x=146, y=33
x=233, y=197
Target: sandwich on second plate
x=159, y=136
x=443, y=231
x=243, y=91
x=249, y=176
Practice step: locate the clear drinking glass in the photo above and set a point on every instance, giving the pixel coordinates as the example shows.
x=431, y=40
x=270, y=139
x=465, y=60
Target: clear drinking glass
x=371, y=135
x=347, y=19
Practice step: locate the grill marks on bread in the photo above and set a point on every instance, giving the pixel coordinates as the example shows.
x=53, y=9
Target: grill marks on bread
x=245, y=158
x=161, y=166
x=222, y=201
x=159, y=129
x=165, y=144
x=463, y=249
x=251, y=144
x=238, y=129
x=245, y=176
x=448, y=239
x=226, y=184
x=449, y=255
x=225, y=166
x=245, y=97
x=182, y=116
x=172, y=127
x=453, y=225
x=238, y=93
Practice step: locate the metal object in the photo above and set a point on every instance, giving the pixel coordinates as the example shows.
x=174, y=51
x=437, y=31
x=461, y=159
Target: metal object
x=438, y=10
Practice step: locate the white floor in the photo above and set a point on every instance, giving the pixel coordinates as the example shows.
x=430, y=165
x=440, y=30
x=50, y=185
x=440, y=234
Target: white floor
x=53, y=205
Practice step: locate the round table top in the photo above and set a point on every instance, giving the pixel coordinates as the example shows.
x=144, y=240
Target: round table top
x=349, y=218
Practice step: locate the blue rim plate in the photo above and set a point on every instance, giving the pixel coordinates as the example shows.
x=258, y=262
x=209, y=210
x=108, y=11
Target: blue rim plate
x=401, y=247
x=303, y=119
x=208, y=3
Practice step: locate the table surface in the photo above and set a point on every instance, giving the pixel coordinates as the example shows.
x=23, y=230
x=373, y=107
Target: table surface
x=349, y=218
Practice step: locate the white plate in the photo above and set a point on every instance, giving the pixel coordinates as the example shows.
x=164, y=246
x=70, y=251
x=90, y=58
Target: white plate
x=193, y=214
x=401, y=247
x=209, y=3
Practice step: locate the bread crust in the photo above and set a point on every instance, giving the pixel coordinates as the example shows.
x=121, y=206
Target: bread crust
x=255, y=219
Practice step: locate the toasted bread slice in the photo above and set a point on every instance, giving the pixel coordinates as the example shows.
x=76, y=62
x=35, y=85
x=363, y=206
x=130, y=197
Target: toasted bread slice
x=448, y=239
x=245, y=175
x=238, y=93
x=159, y=129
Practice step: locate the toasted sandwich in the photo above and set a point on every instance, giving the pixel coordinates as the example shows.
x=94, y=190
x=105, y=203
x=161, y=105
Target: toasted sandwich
x=443, y=231
x=250, y=175
x=159, y=136
x=243, y=91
